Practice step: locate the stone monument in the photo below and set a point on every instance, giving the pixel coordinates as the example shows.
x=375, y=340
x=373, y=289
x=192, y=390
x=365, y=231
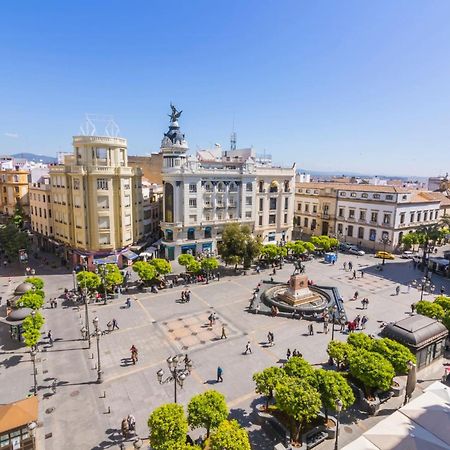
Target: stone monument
x=298, y=291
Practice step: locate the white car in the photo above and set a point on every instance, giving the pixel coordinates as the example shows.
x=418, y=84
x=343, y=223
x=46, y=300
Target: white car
x=408, y=254
x=354, y=250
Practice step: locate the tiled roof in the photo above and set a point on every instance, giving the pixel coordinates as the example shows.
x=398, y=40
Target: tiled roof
x=353, y=187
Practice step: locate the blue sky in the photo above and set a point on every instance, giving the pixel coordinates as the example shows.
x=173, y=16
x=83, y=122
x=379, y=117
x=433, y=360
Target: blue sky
x=333, y=85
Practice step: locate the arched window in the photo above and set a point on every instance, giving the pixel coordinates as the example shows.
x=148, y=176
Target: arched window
x=261, y=186
x=169, y=235
x=286, y=186
x=191, y=234
x=207, y=232
x=274, y=186
x=220, y=187
x=168, y=202
x=233, y=187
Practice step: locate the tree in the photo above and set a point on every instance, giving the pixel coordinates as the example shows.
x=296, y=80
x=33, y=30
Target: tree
x=89, y=280
x=230, y=436
x=207, y=410
x=372, y=369
x=446, y=319
x=409, y=240
x=37, y=282
x=185, y=259
x=443, y=301
x=168, y=427
x=429, y=309
x=162, y=266
x=30, y=300
x=145, y=271
x=267, y=380
x=309, y=246
x=33, y=322
x=300, y=368
x=238, y=245
x=340, y=352
x=332, y=386
x=13, y=239
x=397, y=354
x=299, y=400
x=360, y=340
x=209, y=264
x=194, y=267
x=270, y=252
x=31, y=330
x=323, y=242
x=110, y=276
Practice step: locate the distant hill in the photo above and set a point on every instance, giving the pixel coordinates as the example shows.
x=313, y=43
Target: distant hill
x=36, y=158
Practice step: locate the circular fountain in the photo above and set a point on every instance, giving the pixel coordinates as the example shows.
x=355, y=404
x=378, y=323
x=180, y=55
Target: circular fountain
x=297, y=296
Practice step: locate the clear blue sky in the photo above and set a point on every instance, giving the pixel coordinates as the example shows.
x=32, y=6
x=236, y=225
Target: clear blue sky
x=333, y=85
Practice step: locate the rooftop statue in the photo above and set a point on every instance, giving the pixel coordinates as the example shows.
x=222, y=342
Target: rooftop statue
x=175, y=113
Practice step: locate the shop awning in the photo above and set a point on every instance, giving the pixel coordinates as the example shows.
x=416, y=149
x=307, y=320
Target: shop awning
x=111, y=259
x=17, y=414
x=130, y=255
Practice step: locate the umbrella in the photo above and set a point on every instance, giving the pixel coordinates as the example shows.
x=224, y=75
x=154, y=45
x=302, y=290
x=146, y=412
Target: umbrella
x=439, y=389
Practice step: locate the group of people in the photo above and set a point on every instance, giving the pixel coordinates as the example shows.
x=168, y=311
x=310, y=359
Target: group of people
x=128, y=425
x=185, y=296
x=294, y=353
x=112, y=325
x=359, y=323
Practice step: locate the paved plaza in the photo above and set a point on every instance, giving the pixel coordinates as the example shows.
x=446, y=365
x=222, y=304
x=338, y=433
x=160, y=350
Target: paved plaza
x=80, y=414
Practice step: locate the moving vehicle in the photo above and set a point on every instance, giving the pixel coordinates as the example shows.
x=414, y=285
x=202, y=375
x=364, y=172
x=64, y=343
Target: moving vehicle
x=384, y=255
x=354, y=250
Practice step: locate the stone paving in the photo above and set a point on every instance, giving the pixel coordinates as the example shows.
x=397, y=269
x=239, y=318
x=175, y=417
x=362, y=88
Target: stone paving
x=85, y=415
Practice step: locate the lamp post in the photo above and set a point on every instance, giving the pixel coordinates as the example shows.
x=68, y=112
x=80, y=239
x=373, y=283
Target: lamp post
x=33, y=360
x=423, y=285
x=385, y=241
x=86, y=333
x=177, y=374
x=333, y=318
x=74, y=275
x=338, y=404
x=339, y=237
x=98, y=333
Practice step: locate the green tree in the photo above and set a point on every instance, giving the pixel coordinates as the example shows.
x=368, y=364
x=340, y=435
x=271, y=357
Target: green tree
x=145, y=271
x=429, y=309
x=230, y=436
x=209, y=264
x=269, y=252
x=443, y=301
x=18, y=216
x=409, y=240
x=185, y=259
x=332, y=386
x=299, y=368
x=162, y=266
x=110, y=276
x=33, y=322
x=446, y=319
x=309, y=246
x=397, y=354
x=300, y=401
x=207, y=410
x=89, y=280
x=194, y=267
x=13, y=239
x=323, y=242
x=360, y=340
x=372, y=370
x=267, y=380
x=340, y=352
x=238, y=245
x=30, y=300
x=31, y=330
x=168, y=427
x=37, y=282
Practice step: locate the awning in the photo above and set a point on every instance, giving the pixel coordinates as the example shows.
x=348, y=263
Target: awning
x=130, y=255
x=17, y=414
x=111, y=259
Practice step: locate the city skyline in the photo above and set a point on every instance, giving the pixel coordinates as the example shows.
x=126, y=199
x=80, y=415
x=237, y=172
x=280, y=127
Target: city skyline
x=362, y=86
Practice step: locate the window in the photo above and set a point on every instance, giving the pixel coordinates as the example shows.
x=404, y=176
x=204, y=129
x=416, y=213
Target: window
x=299, y=206
x=374, y=217
x=419, y=215
x=362, y=216
x=272, y=203
x=249, y=187
x=342, y=194
x=273, y=187
x=261, y=204
x=314, y=208
x=208, y=187
x=192, y=203
x=364, y=195
x=350, y=231
x=351, y=213
x=50, y=214
x=352, y=194
x=386, y=219
x=127, y=220
x=372, y=234
x=220, y=187
x=16, y=188
x=341, y=212
x=376, y=196
x=103, y=223
x=248, y=201
x=272, y=219
x=193, y=218
x=411, y=217
x=260, y=220
x=425, y=216
x=192, y=188
x=233, y=187
x=305, y=222
x=389, y=197
x=102, y=183
x=340, y=228
x=285, y=218
x=208, y=233
x=402, y=218
x=306, y=207
x=76, y=184
x=313, y=224
x=261, y=186
x=102, y=202
x=191, y=234
x=248, y=214
x=286, y=203
x=104, y=239
x=286, y=186
x=360, y=233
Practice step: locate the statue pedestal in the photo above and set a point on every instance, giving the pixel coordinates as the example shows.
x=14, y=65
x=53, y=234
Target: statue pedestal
x=298, y=291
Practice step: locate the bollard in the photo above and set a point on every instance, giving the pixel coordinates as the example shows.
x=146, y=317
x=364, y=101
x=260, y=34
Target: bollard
x=104, y=395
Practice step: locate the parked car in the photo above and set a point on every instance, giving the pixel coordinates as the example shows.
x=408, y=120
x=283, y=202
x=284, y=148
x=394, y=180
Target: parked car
x=384, y=255
x=407, y=254
x=343, y=246
x=354, y=250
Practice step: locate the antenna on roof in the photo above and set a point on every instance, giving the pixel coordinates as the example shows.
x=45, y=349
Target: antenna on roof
x=233, y=137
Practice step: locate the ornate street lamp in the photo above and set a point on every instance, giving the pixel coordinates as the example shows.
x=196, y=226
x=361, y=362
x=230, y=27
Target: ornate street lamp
x=177, y=374
x=33, y=360
x=98, y=333
x=338, y=405
x=423, y=284
x=385, y=241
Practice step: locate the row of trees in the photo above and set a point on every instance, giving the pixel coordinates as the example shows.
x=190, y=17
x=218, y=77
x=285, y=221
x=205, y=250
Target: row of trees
x=150, y=271
x=206, y=265
x=438, y=309
x=300, y=391
x=169, y=425
x=425, y=237
x=373, y=362
x=107, y=277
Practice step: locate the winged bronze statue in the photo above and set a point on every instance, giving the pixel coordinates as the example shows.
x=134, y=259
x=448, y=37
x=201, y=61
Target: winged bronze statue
x=175, y=113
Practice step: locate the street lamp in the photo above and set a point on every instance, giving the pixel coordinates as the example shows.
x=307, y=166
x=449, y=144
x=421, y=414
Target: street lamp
x=177, y=374
x=98, y=333
x=423, y=284
x=385, y=241
x=33, y=359
x=333, y=318
x=74, y=275
x=338, y=405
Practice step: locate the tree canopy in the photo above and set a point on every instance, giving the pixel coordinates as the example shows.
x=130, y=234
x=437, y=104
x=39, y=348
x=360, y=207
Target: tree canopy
x=168, y=427
x=324, y=242
x=340, y=352
x=266, y=381
x=230, y=436
x=110, y=276
x=13, y=239
x=300, y=368
x=37, y=282
x=194, y=267
x=394, y=352
x=89, y=280
x=31, y=329
x=162, y=266
x=209, y=264
x=31, y=299
x=145, y=271
x=185, y=259
x=207, y=410
x=430, y=309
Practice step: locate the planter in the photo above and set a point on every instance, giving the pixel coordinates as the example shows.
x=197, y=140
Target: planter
x=371, y=406
x=331, y=430
x=147, y=290
x=397, y=388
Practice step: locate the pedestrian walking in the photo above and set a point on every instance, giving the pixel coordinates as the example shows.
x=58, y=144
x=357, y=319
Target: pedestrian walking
x=325, y=326
x=350, y=266
x=413, y=308
x=128, y=302
x=211, y=319
x=125, y=428
x=363, y=322
x=224, y=334
x=409, y=287
x=114, y=324
x=397, y=290
x=248, y=348
x=183, y=298
x=219, y=374
x=131, y=422
x=310, y=329
x=272, y=341
x=354, y=274
x=50, y=337
x=288, y=354
x=355, y=296
x=363, y=303
x=362, y=273
x=134, y=354
x=345, y=266
x=442, y=290
x=342, y=323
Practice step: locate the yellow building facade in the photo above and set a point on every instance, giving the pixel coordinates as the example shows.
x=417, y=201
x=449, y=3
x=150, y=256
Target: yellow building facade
x=14, y=191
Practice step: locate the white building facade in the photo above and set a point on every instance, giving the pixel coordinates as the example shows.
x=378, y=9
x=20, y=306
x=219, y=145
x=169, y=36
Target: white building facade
x=204, y=193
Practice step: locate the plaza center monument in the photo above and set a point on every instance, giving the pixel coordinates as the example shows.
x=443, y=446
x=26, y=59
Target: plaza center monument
x=298, y=292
